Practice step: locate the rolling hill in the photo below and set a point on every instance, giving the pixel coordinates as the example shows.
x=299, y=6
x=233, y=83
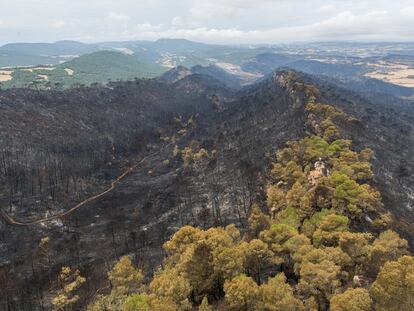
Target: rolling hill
x=97, y=67
x=225, y=78
x=387, y=74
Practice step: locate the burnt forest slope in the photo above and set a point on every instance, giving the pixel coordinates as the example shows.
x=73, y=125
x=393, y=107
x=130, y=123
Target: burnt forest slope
x=204, y=154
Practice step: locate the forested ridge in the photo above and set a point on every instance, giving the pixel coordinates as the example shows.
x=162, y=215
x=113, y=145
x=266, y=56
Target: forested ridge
x=264, y=199
x=322, y=242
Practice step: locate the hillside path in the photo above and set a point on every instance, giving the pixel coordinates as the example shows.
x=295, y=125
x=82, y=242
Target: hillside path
x=14, y=222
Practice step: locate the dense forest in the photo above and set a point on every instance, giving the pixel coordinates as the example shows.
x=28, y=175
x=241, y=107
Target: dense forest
x=321, y=243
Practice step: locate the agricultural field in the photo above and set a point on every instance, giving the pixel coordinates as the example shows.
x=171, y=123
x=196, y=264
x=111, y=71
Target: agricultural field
x=398, y=73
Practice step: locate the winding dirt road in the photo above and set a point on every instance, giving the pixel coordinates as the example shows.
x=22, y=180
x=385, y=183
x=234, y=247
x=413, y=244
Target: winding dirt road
x=14, y=222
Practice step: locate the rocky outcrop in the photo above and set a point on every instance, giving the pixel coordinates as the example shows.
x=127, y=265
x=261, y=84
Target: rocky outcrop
x=319, y=171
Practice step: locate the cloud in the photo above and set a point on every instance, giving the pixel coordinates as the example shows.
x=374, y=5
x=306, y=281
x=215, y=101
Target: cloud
x=343, y=26
x=408, y=12
x=326, y=9
x=202, y=11
x=58, y=24
x=147, y=27
x=118, y=17
x=217, y=21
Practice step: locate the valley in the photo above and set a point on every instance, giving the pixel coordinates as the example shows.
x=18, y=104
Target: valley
x=380, y=67
x=221, y=155
x=154, y=155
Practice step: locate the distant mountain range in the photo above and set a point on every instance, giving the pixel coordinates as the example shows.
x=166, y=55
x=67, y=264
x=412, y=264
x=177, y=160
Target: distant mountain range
x=33, y=54
x=66, y=63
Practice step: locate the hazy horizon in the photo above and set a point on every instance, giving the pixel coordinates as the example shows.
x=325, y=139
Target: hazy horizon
x=224, y=44
x=230, y=22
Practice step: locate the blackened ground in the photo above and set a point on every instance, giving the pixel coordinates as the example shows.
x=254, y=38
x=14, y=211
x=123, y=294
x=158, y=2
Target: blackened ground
x=101, y=130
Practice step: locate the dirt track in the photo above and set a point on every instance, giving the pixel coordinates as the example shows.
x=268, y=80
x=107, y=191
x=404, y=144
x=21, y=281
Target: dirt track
x=12, y=221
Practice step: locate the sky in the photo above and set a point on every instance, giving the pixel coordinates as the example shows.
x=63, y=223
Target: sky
x=212, y=21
